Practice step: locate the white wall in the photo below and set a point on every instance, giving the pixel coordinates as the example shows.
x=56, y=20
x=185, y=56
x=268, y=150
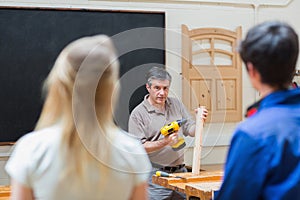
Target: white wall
x=195, y=14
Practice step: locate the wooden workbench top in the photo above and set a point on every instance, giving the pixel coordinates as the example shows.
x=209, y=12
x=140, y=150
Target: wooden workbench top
x=4, y=192
x=202, y=186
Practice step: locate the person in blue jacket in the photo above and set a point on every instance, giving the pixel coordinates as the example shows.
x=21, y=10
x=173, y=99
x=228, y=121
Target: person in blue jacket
x=263, y=161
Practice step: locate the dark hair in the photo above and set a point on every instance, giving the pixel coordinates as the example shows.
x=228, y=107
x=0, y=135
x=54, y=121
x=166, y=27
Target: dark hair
x=272, y=47
x=157, y=73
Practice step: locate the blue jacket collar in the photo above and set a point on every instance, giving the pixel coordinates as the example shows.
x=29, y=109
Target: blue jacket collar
x=283, y=97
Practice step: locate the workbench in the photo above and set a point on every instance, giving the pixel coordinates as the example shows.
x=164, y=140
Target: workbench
x=4, y=192
x=201, y=186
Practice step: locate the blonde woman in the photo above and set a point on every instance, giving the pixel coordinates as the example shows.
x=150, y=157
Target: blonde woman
x=76, y=150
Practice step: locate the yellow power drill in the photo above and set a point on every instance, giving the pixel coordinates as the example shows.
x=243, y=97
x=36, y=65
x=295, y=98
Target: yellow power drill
x=171, y=128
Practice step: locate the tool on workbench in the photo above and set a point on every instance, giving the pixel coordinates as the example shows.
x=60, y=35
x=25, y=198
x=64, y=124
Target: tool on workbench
x=171, y=128
x=165, y=174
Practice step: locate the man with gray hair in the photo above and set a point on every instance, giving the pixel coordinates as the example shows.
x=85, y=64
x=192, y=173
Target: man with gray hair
x=145, y=122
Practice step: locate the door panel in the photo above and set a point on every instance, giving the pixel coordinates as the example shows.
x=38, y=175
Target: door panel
x=211, y=72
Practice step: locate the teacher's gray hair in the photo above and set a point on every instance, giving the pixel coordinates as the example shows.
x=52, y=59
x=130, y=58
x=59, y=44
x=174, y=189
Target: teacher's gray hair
x=158, y=73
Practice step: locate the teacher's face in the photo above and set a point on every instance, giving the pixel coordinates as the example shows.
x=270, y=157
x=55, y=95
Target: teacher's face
x=158, y=91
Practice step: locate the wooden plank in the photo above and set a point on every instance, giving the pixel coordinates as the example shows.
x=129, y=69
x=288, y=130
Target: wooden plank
x=4, y=192
x=202, y=185
x=203, y=190
x=198, y=141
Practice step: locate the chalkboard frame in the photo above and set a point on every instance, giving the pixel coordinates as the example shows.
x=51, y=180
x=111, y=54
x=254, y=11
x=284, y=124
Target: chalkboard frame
x=162, y=63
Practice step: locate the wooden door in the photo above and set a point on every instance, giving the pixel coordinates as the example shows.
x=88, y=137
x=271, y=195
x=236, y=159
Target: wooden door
x=211, y=72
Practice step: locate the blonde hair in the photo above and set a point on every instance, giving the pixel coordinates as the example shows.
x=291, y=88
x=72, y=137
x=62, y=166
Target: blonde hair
x=80, y=97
